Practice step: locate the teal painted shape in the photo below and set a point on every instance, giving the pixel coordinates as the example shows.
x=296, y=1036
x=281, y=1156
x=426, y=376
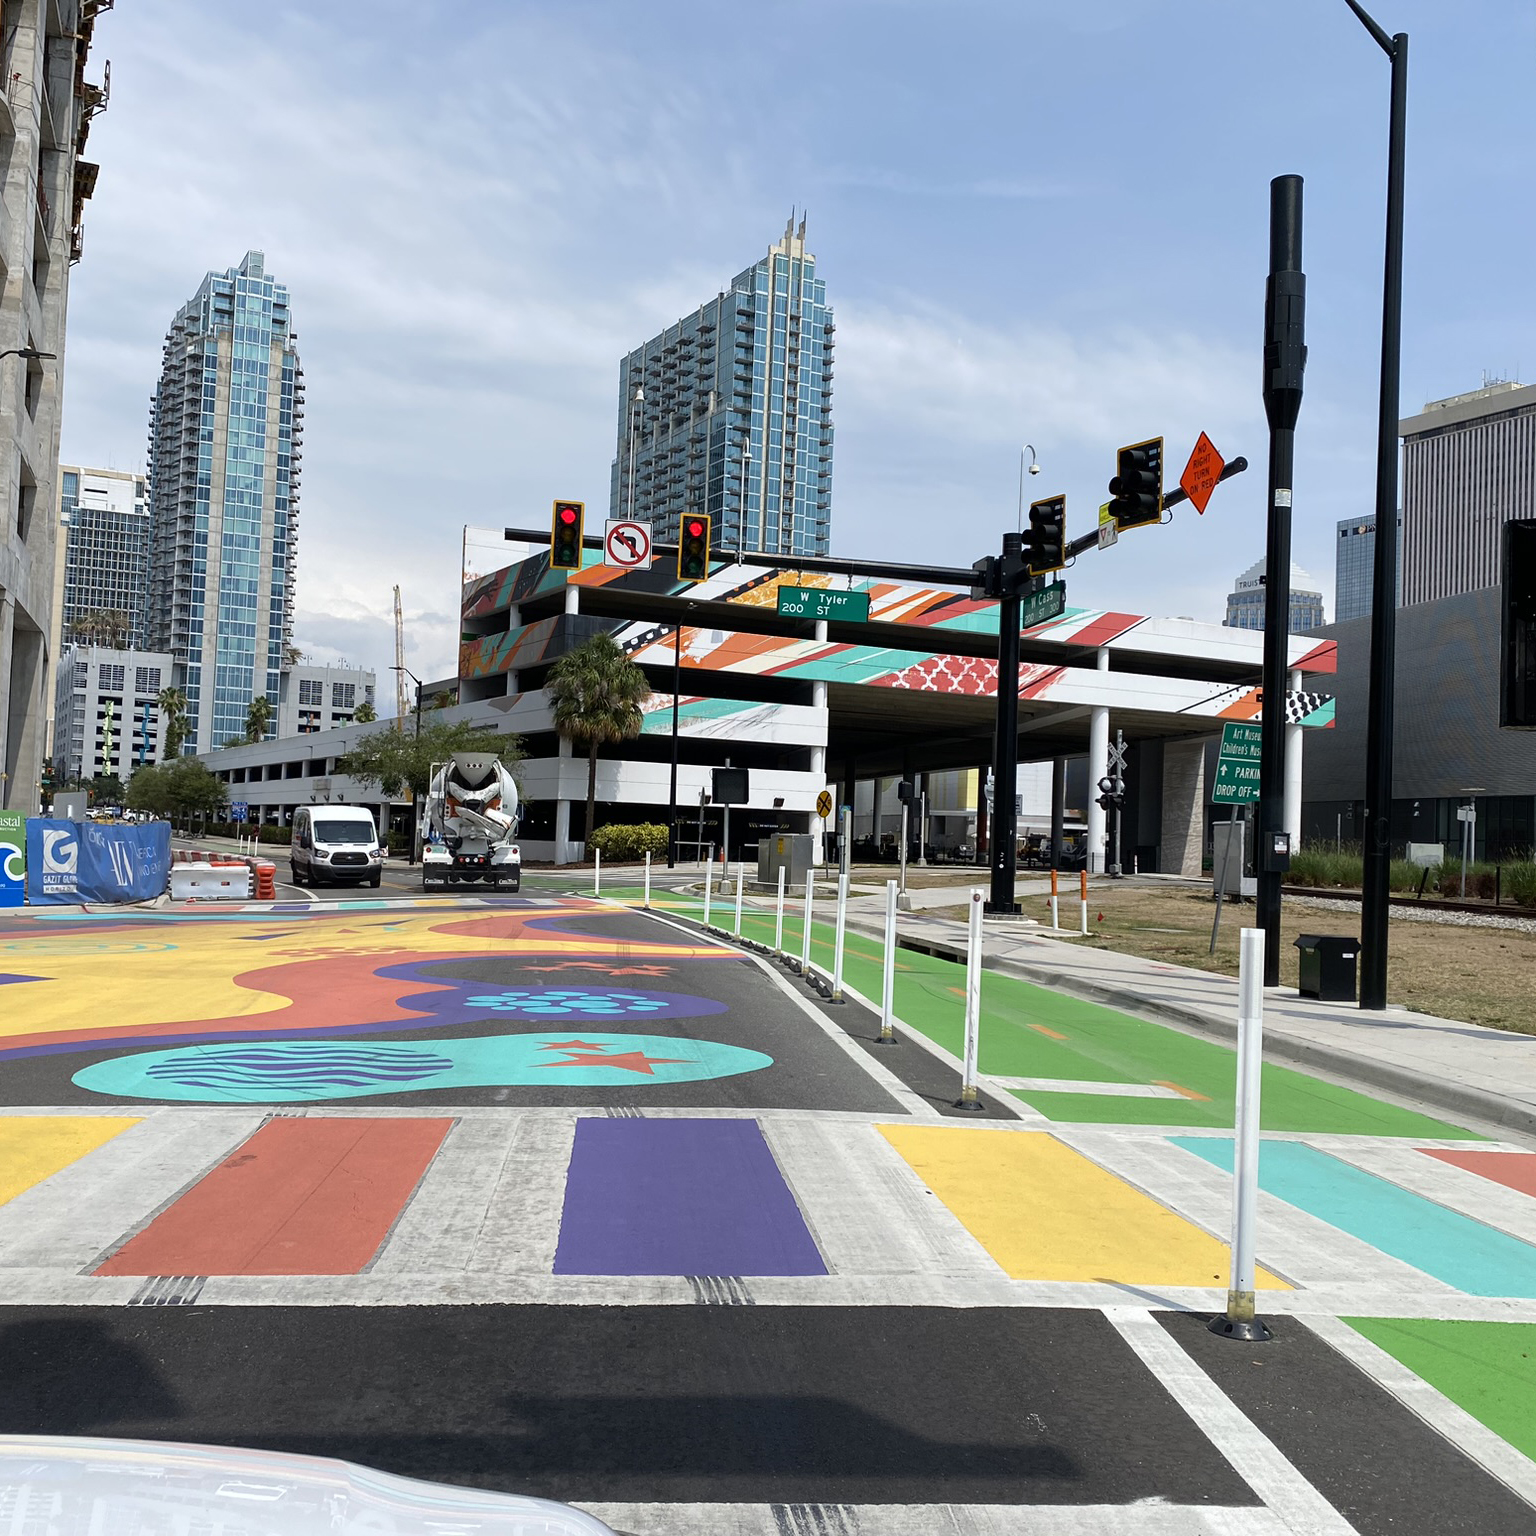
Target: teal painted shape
x=1454, y=1248
x=311, y=1071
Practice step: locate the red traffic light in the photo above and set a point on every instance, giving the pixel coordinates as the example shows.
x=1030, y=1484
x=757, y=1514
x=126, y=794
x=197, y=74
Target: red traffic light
x=567, y=515
x=695, y=528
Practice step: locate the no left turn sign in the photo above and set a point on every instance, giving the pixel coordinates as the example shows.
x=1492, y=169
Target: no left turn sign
x=627, y=544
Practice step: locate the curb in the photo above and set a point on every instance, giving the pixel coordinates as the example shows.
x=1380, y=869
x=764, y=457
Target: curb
x=1353, y=1070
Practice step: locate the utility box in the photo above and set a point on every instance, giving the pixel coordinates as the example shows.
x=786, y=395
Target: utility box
x=793, y=852
x=1328, y=966
x=1233, y=863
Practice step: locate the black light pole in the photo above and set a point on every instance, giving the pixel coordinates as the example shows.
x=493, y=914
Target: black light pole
x=1375, y=884
x=1285, y=358
x=416, y=808
x=677, y=682
x=1004, y=830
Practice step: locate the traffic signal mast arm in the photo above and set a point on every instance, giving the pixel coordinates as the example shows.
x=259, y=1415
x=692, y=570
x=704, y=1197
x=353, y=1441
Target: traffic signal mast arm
x=1089, y=541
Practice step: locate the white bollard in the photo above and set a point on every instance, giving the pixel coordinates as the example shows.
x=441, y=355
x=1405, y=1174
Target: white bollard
x=597, y=872
x=888, y=970
x=778, y=918
x=1084, y=889
x=1240, y=1321
x=1055, y=909
x=805, y=936
x=842, y=932
x=741, y=875
x=709, y=886
x=647, y=881
x=970, y=1098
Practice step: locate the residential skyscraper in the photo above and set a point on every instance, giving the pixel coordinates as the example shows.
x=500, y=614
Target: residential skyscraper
x=45, y=114
x=1469, y=467
x=104, y=525
x=224, y=438
x=1245, y=602
x=1354, y=572
x=729, y=412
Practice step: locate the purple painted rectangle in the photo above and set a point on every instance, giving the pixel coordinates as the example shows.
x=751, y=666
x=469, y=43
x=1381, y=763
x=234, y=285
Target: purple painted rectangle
x=679, y=1197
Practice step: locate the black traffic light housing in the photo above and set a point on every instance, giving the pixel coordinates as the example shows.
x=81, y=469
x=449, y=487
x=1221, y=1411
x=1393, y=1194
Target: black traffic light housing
x=693, y=547
x=1045, y=544
x=1137, y=490
x=1111, y=793
x=565, y=536
x=1517, y=669
x=906, y=791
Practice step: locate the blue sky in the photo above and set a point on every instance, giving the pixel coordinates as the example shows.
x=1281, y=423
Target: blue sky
x=1040, y=222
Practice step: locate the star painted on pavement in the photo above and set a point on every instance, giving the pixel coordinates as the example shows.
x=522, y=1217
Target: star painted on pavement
x=630, y=1061
x=577, y=1045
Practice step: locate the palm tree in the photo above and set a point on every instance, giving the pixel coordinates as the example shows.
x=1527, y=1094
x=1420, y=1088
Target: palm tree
x=257, y=718
x=364, y=714
x=597, y=692
x=173, y=705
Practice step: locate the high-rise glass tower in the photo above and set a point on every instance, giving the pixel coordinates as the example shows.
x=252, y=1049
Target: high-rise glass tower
x=104, y=530
x=1355, y=569
x=224, y=437
x=729, y=412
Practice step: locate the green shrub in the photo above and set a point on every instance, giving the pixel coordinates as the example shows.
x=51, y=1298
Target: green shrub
x=1520, y=883
x=1320, y=866
x=625, y=843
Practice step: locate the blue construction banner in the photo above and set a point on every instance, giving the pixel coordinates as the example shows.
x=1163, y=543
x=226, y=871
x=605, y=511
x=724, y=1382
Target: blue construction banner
x=86, y=861
x=13, y=858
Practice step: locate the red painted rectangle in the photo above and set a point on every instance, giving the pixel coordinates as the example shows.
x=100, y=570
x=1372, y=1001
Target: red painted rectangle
x=1514, y=1170
x=300, y=1197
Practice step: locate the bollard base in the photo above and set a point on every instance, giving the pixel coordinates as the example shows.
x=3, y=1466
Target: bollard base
x=886, y=1040
x=1251, y=1331
x=970, y=1106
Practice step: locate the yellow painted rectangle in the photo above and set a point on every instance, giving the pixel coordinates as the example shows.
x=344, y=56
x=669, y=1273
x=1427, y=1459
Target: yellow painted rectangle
x=1045, y=1212
x=35, y=1147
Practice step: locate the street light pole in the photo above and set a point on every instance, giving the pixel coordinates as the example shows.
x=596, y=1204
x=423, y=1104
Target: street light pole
x=1376, y=875
x=677, y=682
x=416, y=803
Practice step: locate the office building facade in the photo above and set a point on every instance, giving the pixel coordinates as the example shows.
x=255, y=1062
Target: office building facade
x=224, y=449
x=1355, y=569
x=1245, y=602
x=45, y=116
x=104, y=529
x=729, y=412
x=1469, y=467
x=317, y=698
x=108, y=716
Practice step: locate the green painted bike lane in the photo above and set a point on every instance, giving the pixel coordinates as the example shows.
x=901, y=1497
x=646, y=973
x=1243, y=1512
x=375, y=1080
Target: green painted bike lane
x=1031, y=1031
x=1489, y=1369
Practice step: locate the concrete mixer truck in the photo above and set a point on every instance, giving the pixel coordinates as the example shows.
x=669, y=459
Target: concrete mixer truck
x=470, y=825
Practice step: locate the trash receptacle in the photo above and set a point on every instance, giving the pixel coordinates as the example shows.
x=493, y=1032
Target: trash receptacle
x=1328, y=966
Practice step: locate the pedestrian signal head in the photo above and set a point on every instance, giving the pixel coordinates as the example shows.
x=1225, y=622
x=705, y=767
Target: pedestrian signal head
x=693, y=548
x=565, y=536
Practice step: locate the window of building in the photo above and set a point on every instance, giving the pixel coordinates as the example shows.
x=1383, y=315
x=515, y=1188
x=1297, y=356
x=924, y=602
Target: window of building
x=110, y=679
x=146, y=679
x=343, y=695
x=311, y=691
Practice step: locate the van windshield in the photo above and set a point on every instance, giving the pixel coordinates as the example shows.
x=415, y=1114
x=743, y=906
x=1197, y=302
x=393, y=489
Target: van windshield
x=344, y=832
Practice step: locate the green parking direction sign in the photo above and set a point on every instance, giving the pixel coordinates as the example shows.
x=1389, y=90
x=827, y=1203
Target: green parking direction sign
x=823, y=603
x=1237, y=767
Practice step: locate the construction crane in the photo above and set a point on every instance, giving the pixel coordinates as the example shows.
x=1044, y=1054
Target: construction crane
x=402, y=694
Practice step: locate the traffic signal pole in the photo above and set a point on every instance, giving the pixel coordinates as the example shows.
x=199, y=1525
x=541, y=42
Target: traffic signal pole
x=1285, y=357
x=1005, y=764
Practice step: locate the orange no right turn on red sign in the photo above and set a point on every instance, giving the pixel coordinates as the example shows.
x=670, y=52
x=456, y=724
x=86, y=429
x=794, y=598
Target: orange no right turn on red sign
x=1201, y=473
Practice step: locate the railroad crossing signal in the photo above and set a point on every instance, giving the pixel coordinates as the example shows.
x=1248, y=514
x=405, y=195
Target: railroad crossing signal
x=693, y=548
x=1045, y=544
x=565, y=536
x=1137, y=488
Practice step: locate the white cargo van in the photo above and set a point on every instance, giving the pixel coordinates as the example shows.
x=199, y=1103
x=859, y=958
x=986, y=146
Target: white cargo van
x=334, y=844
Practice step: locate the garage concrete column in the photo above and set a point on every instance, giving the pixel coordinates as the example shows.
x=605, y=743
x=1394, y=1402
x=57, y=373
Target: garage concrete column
x=1182, y=849
x=572, y=598
x=819, y=760
x=1098, y=768
x=564, y=854
x=1293, y=751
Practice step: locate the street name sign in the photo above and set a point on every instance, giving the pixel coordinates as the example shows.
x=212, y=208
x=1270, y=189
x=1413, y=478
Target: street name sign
x=1042, y=606
x=823, y=603
x=1237, y=767
x=1201, y=473
x=627, y=544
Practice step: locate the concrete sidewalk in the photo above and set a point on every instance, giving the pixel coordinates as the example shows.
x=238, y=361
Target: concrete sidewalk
x=1464, y=1069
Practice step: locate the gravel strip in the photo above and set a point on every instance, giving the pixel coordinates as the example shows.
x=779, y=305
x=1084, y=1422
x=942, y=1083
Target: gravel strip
x=1412, y=915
